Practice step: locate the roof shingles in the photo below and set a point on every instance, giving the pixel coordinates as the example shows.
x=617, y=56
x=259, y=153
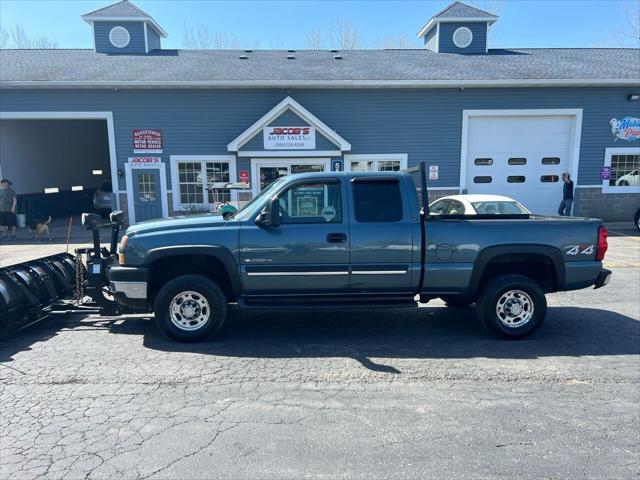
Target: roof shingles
x=121, y=9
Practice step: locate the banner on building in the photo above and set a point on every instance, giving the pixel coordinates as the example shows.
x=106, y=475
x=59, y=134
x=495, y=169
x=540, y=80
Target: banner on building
x=627, y=128
x=147, y=141
x=289, y=138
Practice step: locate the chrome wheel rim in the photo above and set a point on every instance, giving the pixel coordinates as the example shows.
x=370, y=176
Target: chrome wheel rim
x=514, y=308
x=189, y=311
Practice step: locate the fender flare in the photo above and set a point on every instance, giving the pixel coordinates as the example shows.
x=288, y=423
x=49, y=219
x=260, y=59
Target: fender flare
x=222, y=254
x=486, y=255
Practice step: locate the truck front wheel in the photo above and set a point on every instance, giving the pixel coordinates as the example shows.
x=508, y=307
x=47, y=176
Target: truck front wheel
x=512, y=306
x=190, y=308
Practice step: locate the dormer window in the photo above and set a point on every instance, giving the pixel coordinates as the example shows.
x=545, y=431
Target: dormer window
x=462, y=37
x=119, y=37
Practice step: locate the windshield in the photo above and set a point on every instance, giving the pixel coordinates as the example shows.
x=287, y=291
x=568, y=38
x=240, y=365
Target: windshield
x=251, y=208
x=498, y=208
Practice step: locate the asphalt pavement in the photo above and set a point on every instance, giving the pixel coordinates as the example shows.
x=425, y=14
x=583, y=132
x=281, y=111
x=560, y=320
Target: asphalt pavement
x=405, y=393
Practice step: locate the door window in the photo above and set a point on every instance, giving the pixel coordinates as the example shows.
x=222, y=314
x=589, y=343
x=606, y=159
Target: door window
x=377, y=201
x=376, y=166
x=146, y=187
x=270, y=173
x=313, y=202
x=439, y=207
x=455, y=208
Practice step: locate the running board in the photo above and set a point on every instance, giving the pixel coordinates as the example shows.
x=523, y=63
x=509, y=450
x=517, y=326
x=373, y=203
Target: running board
x=342, y=302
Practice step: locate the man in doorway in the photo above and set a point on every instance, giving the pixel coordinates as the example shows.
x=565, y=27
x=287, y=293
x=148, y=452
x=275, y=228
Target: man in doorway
x=567, y=196
x=8, y=205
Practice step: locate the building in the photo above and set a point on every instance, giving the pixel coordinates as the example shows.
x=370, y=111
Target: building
x=168, y=125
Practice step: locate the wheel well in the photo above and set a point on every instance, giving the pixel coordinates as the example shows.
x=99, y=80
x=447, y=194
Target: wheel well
x=167, y=268
x=538, y=267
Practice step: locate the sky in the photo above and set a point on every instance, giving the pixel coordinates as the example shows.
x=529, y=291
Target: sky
x=285, y=24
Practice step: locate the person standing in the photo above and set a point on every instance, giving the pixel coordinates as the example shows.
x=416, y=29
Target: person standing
x=567, y=196
x=8, y=206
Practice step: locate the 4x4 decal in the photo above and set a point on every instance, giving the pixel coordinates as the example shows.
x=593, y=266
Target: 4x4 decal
x=582, y=249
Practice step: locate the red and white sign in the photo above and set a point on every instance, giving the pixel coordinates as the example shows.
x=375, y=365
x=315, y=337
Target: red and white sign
x=145, y=162
x=433, y=172
x=289, y=138
x=147, y=141
x=244, y=176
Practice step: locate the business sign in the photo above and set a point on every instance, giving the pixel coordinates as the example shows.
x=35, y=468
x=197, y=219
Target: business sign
x=289, y=138
x=145, y=162
x=244, y=176
x=605, y=173
x=337, y=166
x=147, y=141
x=627, y=128
x=433, y=172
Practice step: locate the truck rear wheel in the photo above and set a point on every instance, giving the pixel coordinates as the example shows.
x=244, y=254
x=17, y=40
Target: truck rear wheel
x=190, y=308
x=512, y=306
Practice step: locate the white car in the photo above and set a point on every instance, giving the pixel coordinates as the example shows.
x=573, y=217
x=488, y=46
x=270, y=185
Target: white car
x=476, y=205
x=631, y=179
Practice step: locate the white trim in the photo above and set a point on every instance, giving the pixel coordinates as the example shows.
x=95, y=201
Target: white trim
x=288, y=104
x=90, y=20
x=433, y=189
x=108, y=116
x=423, y=31
x=608, y=153
x=163, y=189
x=588, y=186
x=146, y=39
x=453, y=37
x=119, y=28
x=577, y=132
x=375, y=157
x=175, y=184
x=257, y=162
x=93, y=33
x=290, y=153
x=600, y=82
x=293, y=274
x=378, y=272
x=438, y=38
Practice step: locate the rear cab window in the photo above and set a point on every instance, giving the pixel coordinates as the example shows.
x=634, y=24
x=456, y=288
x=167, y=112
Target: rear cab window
x=377, y=200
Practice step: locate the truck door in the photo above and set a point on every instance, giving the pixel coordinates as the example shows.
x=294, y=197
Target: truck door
x=308, y=253
x=381, y=236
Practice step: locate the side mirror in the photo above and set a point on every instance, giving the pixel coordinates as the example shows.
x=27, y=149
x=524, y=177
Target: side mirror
x=270, y=215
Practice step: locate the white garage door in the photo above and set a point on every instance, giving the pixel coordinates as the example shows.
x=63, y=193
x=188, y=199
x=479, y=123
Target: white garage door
x=520, y=156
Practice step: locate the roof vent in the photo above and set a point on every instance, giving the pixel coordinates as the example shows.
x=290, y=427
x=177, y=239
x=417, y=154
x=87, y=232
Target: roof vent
x=291, y=51
x=337, y=57
x=248, y=51
x=291, y=57
x=334, y=51
x=243, y=57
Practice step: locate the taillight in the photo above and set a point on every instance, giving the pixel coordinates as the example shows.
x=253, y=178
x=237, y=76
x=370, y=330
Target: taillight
x=603, y=233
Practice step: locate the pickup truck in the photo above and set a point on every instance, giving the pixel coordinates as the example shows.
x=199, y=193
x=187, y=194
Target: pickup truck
x=347, y=239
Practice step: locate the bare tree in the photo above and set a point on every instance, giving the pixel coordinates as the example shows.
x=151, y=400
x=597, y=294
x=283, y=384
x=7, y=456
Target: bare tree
x=629, y=34
x=201, y=37
x=314, y=40
x=400, y=41
x=343, y=35
x=19, y=38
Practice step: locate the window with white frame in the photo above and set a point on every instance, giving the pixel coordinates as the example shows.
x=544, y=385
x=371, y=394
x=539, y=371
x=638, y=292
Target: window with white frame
x=196, y=181
x=376, y=163
x=624, y=170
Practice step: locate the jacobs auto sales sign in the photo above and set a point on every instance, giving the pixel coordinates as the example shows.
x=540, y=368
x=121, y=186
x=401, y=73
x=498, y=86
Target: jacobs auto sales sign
x=289, y=138
x=147, y=141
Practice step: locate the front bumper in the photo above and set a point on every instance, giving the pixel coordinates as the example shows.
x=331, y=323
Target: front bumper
x=603, y=278
x=129, y=285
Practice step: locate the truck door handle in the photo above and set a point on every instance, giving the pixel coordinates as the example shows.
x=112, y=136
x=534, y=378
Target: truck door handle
x=336, y=237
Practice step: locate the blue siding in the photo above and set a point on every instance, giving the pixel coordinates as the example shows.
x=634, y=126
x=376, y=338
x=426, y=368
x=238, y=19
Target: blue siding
x=424, y=123
x=153, y=39
x=103, y=44
x=478, y=44
x=288, y=119
x=430, y=39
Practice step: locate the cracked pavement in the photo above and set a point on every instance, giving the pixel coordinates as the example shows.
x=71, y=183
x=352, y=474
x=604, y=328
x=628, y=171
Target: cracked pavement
x=328, y=394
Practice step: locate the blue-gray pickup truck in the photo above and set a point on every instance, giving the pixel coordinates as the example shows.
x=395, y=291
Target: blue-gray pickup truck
x=341, y=240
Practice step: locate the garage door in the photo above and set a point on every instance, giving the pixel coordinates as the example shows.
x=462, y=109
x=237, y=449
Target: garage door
x=520, y=156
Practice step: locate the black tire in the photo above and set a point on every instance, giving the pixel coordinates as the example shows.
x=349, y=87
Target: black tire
x=206, y=303
x=457, y=301
x=523, y=324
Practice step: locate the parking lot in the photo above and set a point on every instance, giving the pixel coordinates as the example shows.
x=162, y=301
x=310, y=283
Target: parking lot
x=423, y=393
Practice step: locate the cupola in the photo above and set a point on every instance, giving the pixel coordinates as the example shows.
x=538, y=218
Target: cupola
x=122, y=28
x=459, y=28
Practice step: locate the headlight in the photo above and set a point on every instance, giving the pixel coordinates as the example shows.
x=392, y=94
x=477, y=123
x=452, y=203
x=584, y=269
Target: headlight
x=121, y=247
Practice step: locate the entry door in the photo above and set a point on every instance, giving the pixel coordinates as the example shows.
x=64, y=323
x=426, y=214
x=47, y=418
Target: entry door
x=147, y=200
x=308, y=252
x=522, y=157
